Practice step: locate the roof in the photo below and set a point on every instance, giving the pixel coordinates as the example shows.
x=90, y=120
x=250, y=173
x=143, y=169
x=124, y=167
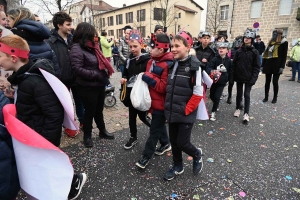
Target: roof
x=105, y=7
x=185, y=8
x=148, y=1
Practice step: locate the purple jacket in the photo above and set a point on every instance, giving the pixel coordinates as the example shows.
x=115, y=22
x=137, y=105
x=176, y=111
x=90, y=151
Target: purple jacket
x=85, y=66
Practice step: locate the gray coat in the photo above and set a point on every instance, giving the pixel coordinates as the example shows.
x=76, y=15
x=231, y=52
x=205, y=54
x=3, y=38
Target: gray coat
x=124, y=52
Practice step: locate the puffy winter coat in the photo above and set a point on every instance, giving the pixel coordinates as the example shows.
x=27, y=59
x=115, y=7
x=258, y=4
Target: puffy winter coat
x=106, y=46
x=156, y=76
x=295, y=52
x=260, y=47
x=9, y=179
x=245, y=65
x=61, y=49
x=272, y=65
x=124, y=52
x=215, y=62
x=37, y=105
x=208, y=53
x=35, y=34
x=85, y=65
x=180, y=90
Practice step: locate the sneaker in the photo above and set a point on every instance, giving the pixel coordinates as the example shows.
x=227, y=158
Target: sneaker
x=175, y=170
x=162, y=149
x=132, y=141
x=71, y=133
x=292, y=79
x=246, y=118
x=77, y=186
x=198, y=163
x=143, y=162
x=260, y=73
x=237, y=113
x=212, y=116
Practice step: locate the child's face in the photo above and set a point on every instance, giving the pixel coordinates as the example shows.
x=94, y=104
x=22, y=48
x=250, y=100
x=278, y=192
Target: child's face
x=6, y=62
x=135, y=47
x=205, y=40
x=156, y=52
x=222, y=51
x=3, y=21
x=179, y=50
x=247, y=41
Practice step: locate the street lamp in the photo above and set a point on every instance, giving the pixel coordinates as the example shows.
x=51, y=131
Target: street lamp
x=176, y=20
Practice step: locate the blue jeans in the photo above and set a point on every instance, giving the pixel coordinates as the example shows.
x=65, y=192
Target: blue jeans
x=260, y=60
x=78, y=104
x=122, y=68
x=296, y=66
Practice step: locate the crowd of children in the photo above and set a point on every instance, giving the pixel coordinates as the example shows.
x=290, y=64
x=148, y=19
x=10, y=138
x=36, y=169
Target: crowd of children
x=173, y=75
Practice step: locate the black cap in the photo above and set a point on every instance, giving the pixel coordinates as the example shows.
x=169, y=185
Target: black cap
x=158, y=27
x=127, y=27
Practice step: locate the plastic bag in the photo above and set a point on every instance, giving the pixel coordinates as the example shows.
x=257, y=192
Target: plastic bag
x=140, y=95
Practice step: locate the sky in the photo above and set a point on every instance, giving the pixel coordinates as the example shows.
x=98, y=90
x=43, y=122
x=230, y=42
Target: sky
x=117, y=3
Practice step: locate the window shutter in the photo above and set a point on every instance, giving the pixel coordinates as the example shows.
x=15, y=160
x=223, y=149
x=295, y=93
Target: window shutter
x=256, y=9
x=285, y=7
x=138, y=15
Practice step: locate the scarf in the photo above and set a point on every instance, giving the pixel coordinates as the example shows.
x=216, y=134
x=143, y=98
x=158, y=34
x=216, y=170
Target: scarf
x=272, y=49
x=103, y=63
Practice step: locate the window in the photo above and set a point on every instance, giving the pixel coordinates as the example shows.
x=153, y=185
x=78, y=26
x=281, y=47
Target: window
x=224, y=12
x=110, y=21
x=285, y=31
x=285, y=7
x=142, y=30
x=159, y=13
x=256, y=9
x=129, y=17
x=141, y=15
x=179, y=15
x=119, y=19
x=119, y=33
x=102, y=22
x=110, y=32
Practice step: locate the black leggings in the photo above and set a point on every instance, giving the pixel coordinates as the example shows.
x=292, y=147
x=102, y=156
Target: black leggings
x=239, y=96
x=275, y=84
x=215, y=95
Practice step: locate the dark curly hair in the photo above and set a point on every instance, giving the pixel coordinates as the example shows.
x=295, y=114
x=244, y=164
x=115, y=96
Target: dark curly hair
x=60, y=18
x=84, y=33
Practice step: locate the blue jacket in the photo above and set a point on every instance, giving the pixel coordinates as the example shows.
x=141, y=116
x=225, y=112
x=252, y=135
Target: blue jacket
x=35, y=33
x=9, y=180
x=115, y=50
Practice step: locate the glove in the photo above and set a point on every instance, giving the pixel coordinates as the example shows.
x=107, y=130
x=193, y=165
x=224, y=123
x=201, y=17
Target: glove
x=280, y=71
x=192, y=104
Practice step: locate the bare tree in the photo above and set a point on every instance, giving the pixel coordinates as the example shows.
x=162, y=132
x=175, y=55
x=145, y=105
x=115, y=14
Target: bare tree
x=213, y=17
x=139, y=21
x=168, y=12
x=52, y=6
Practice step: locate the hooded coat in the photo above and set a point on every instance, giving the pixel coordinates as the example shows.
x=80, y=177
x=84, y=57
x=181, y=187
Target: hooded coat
x=35, y=34
x=36, y=103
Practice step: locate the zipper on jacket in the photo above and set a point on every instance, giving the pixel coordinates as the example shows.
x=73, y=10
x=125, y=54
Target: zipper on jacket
x=175, y=76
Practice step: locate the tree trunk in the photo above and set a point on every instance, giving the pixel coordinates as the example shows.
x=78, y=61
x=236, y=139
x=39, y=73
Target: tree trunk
x=11, y=4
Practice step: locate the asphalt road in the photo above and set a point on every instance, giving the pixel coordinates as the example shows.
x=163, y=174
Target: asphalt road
x=257, y=161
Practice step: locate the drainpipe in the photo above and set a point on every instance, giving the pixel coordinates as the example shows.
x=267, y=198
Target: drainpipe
x=150, y=14
x=232, y=17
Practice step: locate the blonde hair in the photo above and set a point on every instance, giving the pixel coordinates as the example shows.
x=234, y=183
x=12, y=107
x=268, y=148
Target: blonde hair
x=20, y=14
x=16, y=42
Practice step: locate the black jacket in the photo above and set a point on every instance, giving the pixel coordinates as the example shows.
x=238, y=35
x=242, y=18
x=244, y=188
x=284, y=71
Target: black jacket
x=260, y=47
x=215, y=62
x=61, y=49
x=136, y=66
x=37, y=105
x=272, y=65
x=180, y=90
x=245, y=65
x=208, y=53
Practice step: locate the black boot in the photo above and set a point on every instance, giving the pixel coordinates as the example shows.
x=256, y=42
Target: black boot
x=106, y=135
x=88, y=143
x=266, y=98
x=229, y=100
x=274, y=100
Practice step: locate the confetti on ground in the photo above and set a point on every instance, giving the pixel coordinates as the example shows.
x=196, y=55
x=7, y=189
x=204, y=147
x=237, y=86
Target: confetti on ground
x=242, y=193
x=295, y=146
x=251, y=117
x=210, y=160
x=296, y=190
x=293, y=120
x=169, y=154
x=233, y=134
x=261, y=125
x=288, y=177
x=210, y=133
x=196, y=196
x=228, y=160
x=200, y=124
x=262, y=133
x=117, y=124
x=263, y=146
x=222, y=129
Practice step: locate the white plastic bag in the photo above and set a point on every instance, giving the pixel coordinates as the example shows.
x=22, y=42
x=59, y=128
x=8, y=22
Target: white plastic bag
x=140, y=95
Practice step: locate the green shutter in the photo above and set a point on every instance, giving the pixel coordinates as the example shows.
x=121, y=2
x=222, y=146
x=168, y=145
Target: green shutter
x=298, y=14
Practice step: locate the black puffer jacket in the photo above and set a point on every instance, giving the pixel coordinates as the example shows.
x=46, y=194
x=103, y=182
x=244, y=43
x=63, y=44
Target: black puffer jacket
x=215, y=62
x=136, y=66
x=208, y=53
x=37, y=105
x=245, y=65
x=180, y=90
x=61, y=49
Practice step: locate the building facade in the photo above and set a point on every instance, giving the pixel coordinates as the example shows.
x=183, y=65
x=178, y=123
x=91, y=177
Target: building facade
x=235, y=16
x=144, y=16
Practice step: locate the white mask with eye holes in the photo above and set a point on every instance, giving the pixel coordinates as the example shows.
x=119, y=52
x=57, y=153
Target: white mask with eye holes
x=250, y=34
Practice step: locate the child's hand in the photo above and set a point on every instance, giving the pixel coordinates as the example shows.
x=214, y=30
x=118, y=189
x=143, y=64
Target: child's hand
x=9, y=93
x=123, y=80
x=204, y=60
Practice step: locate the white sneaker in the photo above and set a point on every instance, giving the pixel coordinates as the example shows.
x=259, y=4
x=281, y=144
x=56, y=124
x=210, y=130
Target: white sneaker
x=213, y=116
x=246, y=118
x=237, y=113
x=260, y=73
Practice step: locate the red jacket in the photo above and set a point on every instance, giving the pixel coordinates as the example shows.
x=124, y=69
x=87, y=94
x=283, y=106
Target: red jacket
x=157, y=81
